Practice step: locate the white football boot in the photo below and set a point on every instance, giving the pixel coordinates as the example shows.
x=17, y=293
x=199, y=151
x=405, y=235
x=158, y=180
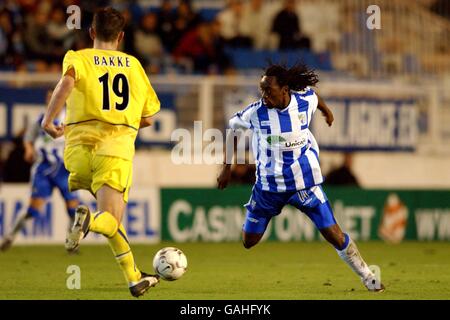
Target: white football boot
x=79, y=229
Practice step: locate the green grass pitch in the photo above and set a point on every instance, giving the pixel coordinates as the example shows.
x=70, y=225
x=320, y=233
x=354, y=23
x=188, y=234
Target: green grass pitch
x=271, y=270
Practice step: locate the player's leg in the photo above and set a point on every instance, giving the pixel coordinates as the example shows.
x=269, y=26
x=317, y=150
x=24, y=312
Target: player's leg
x=71, y=206
x=315, y=205
x=261, y=207
x=34, y=209
x=253, y=229
x=77, y=161
x=110, y=183
x=111, y=201
x=61, y=181
x=349, y=253
x=41, y=189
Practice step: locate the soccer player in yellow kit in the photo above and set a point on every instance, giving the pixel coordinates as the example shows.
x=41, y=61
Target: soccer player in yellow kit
x=109, y=97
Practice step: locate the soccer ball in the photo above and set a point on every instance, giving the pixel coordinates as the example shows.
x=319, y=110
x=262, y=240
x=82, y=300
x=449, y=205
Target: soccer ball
x=170, y=263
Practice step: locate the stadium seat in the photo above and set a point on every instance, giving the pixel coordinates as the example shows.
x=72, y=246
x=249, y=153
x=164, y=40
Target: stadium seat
x=208, y=14
x=257, y=59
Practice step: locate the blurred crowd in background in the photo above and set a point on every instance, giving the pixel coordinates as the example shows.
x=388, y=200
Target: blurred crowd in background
x=34, y=36
x=173, y=36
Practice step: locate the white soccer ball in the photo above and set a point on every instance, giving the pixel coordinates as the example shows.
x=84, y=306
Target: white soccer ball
x=170, y=263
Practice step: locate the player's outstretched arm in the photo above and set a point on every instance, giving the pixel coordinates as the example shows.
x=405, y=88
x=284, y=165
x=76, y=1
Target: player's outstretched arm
x=29, y=138
x=329, y=118
x=224, y=177
x=29, y=154
x=57, y=101
x=225, y=173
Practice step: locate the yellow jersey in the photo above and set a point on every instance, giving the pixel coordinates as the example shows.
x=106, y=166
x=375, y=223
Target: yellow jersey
x=111, y=95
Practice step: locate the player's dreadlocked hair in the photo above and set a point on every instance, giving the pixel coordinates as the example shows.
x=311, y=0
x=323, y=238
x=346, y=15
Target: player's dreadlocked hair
x=297, y=78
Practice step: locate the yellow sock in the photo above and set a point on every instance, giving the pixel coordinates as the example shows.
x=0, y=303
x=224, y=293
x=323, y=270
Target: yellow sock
x=124, y=257
x=104, y=223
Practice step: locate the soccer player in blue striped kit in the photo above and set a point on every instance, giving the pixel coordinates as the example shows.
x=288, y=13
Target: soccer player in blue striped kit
x=48, y=172
x=287, y=161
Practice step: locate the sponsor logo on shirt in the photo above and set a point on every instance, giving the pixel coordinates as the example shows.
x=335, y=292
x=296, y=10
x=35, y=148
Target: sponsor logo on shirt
x=271, y=140
x=296, y=143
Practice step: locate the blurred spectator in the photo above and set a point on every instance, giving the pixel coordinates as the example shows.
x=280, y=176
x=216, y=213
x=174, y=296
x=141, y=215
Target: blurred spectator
x=45, y=6
x=202, y=46
x=148, y=43
x=128, y=42
x=59, y=34
x=343, y=175
x=6, y=31
x=166, y=17
x=11, y=49
x=16, y=169
x=242, y=174
x=185, y=21
x=441, y=7
x=28, y=5
x=185, y=12
x=39, y=45
x=286, y=26
x=255, y=17
x=233, y=27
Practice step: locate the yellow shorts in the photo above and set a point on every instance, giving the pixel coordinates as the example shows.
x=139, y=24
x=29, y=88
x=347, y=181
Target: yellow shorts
x=90, y=171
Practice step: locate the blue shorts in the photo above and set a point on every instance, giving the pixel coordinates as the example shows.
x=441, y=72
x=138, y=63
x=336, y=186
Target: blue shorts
x=263, y=205
x=45, y=177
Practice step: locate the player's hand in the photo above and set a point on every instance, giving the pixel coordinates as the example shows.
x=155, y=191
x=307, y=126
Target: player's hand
x=224, y=177
x=329, y=118
x=52, y=130
x=29, y=155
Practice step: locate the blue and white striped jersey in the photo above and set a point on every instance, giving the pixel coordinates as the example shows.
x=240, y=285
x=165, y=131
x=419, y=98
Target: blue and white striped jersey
x=285, y=151
x=48, y=150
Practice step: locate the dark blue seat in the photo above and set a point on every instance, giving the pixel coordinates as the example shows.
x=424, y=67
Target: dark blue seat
x=209, y=14
x=258, y=59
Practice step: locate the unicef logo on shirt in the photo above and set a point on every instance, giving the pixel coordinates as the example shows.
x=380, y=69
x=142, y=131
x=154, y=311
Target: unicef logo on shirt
x=286, y=143
x=295, y=143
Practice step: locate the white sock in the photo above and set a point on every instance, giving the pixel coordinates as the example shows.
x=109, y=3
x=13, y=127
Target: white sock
x=352, y=257
x=18, y=225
